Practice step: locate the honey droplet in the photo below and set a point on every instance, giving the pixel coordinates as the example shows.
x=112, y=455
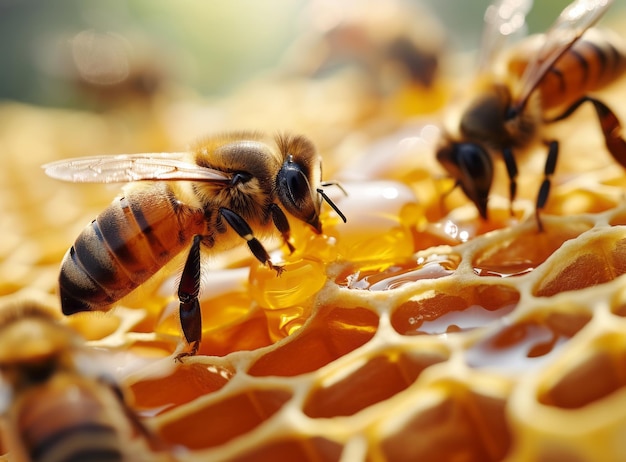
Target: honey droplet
x=376, y=228
x=285, y=322
x=299, y=281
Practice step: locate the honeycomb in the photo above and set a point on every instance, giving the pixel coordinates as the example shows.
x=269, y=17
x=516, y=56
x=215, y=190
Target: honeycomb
x=415, y=331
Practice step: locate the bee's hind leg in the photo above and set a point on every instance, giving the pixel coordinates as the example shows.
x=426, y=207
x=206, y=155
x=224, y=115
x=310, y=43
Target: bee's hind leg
x=612, y=131
x=609, y=123
x=188, y=291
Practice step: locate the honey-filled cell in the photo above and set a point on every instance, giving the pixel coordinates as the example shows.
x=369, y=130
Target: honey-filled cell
x=522, y=253
x=210, y=425
x=301, y=449
x=249, y=334
x=589, y=377
x=596, y=260
x=392, y=373
x=393, y=276
x=460, y=425
x=330, y=334
x=190, y=381
x=521, y=346
x=461, y=310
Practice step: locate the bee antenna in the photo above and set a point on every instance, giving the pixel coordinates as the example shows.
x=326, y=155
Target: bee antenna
x=331, y=203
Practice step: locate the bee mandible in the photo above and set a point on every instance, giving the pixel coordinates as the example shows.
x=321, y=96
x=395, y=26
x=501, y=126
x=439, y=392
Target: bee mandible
x=226, y=190
x=544, y=79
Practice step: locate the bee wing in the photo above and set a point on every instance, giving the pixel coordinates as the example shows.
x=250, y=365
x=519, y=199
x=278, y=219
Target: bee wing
x=503, y=20
x=131, y=167
x=571, y=24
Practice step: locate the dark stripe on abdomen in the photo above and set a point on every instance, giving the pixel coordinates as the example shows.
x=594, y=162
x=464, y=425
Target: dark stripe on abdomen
x=80, y=443
x=582, y=63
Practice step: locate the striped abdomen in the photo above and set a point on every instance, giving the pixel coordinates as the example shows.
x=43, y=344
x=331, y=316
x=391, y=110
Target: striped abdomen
x=126, y=244
x=593, y=62
x=68, y=422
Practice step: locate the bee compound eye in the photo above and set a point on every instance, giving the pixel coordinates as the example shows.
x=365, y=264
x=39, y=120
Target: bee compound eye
x=293, y=186
x=474, y=161
x=476, y=168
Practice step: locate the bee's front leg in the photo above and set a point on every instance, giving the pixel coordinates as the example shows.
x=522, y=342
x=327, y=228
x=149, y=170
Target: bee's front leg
x=282, y=225
x=242, y=228
x=188, y=291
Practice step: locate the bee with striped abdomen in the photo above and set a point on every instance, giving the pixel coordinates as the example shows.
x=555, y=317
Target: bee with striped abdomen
x=542, y=80
x=55, y=402
x=225, y=190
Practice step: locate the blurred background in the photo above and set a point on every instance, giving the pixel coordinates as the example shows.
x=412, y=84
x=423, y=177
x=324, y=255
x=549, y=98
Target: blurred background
x=51, y=50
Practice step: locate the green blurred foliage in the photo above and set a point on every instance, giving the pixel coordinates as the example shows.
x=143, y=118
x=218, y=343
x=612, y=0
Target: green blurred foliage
x=208, y=45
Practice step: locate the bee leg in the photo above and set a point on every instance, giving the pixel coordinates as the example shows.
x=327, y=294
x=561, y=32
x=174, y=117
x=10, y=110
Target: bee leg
x=511, y=169
x=611, y=127
x=243, y=229
x=612, y=130
x=282, y=225
x=188, y=291
x=548, y=171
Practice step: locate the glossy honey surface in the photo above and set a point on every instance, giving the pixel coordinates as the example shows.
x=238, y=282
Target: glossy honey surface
x=415, y=331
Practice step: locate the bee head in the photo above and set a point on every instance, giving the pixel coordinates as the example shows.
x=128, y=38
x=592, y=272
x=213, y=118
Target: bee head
x=296, y=193
x=472, y=168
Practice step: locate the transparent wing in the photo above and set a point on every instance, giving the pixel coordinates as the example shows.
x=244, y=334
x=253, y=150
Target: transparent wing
x=131, y=167
x=571, y=24
x=503, y=21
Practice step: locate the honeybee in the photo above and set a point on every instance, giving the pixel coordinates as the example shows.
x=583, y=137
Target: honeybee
x=544, y=79
x=54, y=404
x=222, y=192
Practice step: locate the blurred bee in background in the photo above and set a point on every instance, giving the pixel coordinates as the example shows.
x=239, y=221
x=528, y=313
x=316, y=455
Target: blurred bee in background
x=222, y=192
x=391, y=43
x=112, y=70
x=541, y=76
x=54, y=404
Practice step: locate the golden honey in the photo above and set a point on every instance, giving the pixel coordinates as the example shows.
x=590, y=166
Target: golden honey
x=415, y=331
